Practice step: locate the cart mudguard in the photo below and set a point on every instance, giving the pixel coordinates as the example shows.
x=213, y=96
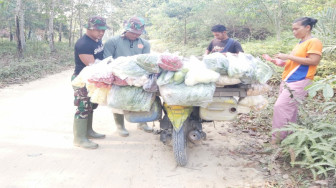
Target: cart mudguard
x=177, y=114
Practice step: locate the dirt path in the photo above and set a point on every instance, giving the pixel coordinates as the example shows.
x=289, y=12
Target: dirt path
x=36, y=148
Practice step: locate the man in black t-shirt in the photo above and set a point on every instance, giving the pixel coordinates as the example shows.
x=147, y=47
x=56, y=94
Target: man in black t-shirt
x=222, y=43
x=87, y=49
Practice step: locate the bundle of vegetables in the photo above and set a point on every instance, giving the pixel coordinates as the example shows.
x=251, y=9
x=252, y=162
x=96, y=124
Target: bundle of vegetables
x=148, y=62
x=101, y=74
x=97, y=94
x=179, y=76
x=181, y=94
x=226, y=80
x=263, y=71
x=119, y=82
x=99, y=84
x=199, y=73
x=258, y=89
x=137, y=81
x=170, y=62
x=151, y=84
x=244, y=67
x=165, y=77
x=124, y=67
x=130, y=98
x=97, y=73
x=217, y=62
x=257, y=102
x=80, y=79
x=240, y=66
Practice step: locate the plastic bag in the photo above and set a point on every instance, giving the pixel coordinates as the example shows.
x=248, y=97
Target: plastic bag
x=149, y=62
x=119, y=82
x=258, y=89
x=254, y=102
x=241, y=66
x=165, y=77
x=226, y=80
x=98, y=72
x=151, y=85
x=198, y=73
x=99, y=96
x=130, y=98
x=137, y=81
x=263, y=72
x=217, y=62
x=124, y=67
x=170, y=62
x=181, y=94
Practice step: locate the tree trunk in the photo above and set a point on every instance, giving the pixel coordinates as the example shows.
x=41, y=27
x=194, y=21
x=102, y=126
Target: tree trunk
x=185, y=31
x=80, y=24
x=46, y=30
x=19, y=21
x=73, y=34
x=29, y=34
x=11, y=37
x=51, y=27
x=278, y=20
x=70, y=28
x=60, y=32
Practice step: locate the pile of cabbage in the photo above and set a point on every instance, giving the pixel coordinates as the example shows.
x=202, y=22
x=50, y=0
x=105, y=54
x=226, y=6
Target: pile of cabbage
x=131, y=83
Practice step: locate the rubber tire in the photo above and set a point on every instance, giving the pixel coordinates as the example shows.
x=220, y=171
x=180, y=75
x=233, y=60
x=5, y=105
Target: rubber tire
x=180, y=146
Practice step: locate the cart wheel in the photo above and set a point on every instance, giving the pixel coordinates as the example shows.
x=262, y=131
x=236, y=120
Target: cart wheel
x=180, y=145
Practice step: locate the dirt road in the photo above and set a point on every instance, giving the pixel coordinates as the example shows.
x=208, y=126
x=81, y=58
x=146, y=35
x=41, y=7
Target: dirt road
x=36, y=148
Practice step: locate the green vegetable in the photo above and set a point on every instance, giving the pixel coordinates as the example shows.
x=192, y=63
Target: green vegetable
x=179, y=77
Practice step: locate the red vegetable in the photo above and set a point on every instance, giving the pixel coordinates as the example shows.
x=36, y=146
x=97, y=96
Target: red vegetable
x=170, y=62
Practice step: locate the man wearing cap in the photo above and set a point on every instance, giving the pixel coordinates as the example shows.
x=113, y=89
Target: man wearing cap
x=222, y=43
x=128, y=43
x=87, y=49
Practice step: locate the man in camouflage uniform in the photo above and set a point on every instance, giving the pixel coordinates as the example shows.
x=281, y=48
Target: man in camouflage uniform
x=87, y=49
x=128, y=44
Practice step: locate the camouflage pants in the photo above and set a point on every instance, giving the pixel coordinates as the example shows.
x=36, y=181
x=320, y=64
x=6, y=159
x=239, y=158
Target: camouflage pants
x=82, y=101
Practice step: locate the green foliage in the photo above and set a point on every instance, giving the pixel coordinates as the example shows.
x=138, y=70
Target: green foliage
x=312, y=142
x=326, y=85
x=314, y=147
x=326, y=30
x=271, y=45
x=38, y=62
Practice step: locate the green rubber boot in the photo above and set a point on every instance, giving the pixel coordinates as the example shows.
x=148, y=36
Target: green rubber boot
x=90, y=132
x=145, y=127
x=119, y=122
x=80, y=131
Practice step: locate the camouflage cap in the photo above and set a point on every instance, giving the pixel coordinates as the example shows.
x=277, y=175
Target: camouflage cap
x=136, y=25
x=96, y=22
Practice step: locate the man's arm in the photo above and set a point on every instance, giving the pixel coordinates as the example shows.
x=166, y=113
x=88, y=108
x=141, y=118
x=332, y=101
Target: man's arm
x=209, y=49
x=87, y=59
x=146, y=49
x=238, y=47
x=109, y=48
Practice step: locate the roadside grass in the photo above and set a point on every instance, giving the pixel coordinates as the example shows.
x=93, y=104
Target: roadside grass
x=38, y=61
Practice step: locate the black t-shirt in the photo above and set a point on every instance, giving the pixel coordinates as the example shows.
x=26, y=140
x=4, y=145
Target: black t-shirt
x=219, y=45
x=85, y=45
